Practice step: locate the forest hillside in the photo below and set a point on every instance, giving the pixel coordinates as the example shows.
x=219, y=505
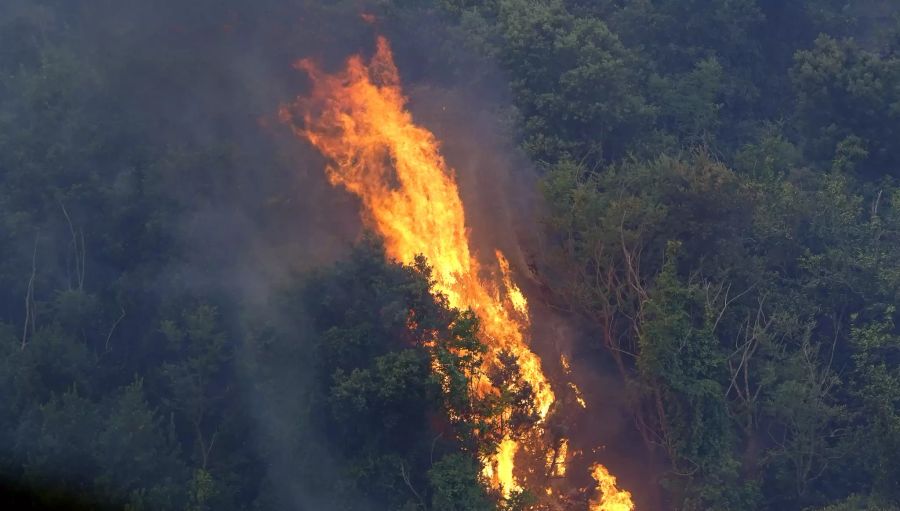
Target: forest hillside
x=678, y=223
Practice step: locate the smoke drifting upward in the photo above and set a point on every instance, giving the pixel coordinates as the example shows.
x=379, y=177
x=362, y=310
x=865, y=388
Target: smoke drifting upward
x=207, y=77
x=190, y=92
x=358, y=119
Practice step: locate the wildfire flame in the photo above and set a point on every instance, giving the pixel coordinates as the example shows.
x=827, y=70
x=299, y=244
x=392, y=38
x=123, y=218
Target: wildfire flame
x=609, y=497
x=358, y=120
x=558, y=459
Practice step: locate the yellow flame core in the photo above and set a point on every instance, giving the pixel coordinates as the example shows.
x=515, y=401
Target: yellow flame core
x=609, y=497
x=357, y=118
x=505, y=463
x=558, y=462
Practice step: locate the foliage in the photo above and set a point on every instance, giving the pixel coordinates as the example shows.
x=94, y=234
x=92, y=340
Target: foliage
x=721, y=206
x=846, y=94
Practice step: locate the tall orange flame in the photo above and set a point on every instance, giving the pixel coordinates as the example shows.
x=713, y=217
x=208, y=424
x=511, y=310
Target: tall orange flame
x=358, y=120
x=609, y=498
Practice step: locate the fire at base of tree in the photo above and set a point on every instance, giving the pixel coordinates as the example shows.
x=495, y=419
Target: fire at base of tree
x=591, y=256
x=358, y=119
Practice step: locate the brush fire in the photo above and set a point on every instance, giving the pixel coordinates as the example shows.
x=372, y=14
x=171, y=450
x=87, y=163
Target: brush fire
x=358, y=119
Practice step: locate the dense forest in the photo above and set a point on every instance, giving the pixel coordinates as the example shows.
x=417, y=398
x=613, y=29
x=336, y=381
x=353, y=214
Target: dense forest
x=193, y=318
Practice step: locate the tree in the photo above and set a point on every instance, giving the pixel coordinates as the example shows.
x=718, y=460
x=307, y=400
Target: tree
x=387, y=415
x=456, y=486
x=847, y=94
x=574, y=82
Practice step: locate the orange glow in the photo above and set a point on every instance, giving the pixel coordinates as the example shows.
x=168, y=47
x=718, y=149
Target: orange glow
x=358, y=120
x=557, y=461
x=516, y=298
x=567, y=369
x=500, y=470
x=578, y=396
x=564, y=361
x=609, y=497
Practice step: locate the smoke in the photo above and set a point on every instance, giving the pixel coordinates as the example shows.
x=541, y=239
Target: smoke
x=496, y=181
x=473, y=118
x=194, y=87
x=205, y=79
x=272, y=214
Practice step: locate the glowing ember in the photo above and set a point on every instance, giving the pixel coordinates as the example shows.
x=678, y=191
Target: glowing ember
x=564, y=361
x=358, y=120
x=578, y=396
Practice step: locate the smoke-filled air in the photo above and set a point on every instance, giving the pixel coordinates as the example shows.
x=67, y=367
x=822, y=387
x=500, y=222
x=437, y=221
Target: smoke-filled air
x=510, y=255
x=358, y=119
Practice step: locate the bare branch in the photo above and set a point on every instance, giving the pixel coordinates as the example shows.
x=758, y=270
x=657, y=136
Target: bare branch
x=29, y=297
x=113, y=329
x=78, y=249
x=433, y=443
x=410, y=486
x=729, y=302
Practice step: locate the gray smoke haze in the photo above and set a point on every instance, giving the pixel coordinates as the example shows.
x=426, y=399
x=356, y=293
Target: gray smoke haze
x=274, y=214
x=206, y=79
